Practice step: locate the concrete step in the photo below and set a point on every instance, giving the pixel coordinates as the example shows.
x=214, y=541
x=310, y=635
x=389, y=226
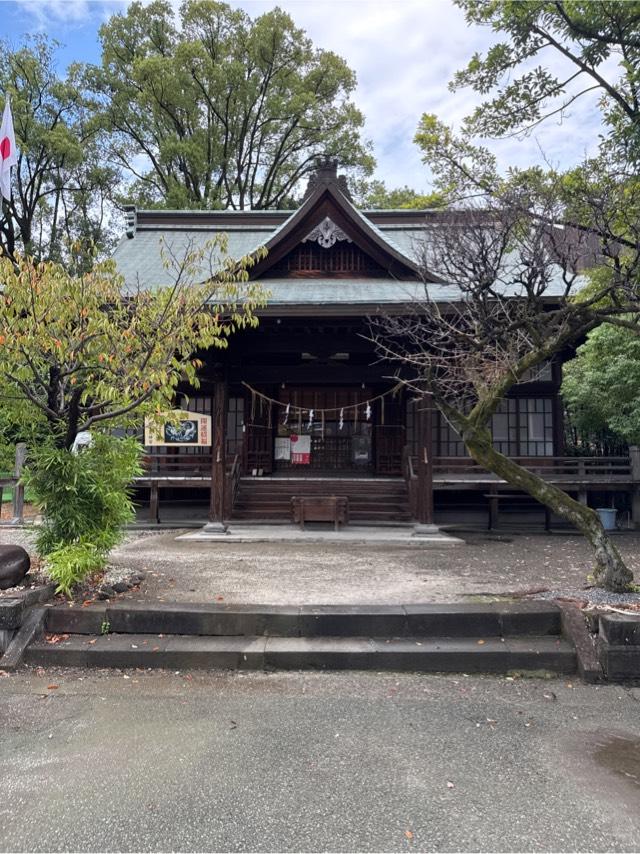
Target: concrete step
x=468, y=655
x=491, y=620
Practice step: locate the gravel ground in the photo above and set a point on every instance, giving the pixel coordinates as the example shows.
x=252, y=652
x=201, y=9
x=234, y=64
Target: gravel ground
x=299, y=573
x=593, y=596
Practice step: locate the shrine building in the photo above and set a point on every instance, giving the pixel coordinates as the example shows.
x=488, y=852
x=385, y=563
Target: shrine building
x=303, y=405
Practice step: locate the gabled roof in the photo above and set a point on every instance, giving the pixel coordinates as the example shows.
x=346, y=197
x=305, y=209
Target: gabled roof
x=328, y=202
x=390, y=238
x=393, y=239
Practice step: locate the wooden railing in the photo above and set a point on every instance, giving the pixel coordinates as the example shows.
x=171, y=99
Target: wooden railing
x=196, y=463
x=578, y=468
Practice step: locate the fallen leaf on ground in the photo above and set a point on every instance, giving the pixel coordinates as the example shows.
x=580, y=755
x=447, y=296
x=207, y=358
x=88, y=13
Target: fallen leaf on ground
x=408, y=834
x=52, y=687
x=56, y=638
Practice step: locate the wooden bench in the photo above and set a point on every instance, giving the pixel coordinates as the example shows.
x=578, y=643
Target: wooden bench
x=495, y=497
x=320, y=508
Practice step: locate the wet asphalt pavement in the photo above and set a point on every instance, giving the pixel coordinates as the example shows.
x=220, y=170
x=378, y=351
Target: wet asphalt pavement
x=145, y=761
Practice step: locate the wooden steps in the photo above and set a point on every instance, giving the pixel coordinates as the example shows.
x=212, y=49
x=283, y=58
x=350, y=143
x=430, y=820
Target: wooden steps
x=370, y=500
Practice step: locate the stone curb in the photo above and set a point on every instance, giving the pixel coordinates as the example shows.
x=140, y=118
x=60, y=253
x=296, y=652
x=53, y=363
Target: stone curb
x=32, y=627
x=429, y=620
x=575, y=630
x=533, y=654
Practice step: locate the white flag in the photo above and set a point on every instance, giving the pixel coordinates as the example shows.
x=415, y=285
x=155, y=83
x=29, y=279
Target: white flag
x=8, y=151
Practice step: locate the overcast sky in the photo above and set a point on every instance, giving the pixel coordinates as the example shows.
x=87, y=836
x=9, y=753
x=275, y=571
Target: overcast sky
x=404, y=53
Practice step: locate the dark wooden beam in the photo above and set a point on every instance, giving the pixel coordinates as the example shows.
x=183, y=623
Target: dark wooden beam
x=424, y=428
x=311, y=374
x=218, y=456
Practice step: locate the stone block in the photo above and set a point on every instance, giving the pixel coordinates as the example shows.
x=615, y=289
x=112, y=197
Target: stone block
x=543, y=653
x=619, y=662
x=208, y=620
x=459, y=620
x=440, y=655
x=319, y=653
x=620, y=629
x=367, y=621
x=127, y=651
x=229, y=653
x=81, y=621
x=10, y=613
x=530, y=618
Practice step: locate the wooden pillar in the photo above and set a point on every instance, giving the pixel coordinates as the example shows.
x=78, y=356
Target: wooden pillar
x=634, y=458
x=424, y=430
x=154, y=501
x=583, y=491
x=18, y=489
x=218, y=456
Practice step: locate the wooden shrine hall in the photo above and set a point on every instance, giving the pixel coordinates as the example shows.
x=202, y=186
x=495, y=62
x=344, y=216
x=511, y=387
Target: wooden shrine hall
x=302, y=407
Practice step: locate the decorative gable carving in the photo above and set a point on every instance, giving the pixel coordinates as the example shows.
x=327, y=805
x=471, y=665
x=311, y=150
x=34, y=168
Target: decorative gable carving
x=327, y=233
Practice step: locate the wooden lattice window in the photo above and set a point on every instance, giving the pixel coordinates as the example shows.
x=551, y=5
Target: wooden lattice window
x=342, y=259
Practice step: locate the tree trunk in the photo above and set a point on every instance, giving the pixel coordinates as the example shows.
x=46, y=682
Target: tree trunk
x=610, y=570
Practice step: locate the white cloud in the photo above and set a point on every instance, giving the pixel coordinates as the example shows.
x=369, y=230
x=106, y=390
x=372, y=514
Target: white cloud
x=44, y=14
x=404, y=53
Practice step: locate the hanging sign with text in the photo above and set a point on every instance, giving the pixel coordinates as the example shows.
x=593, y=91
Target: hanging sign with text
x=182, y=428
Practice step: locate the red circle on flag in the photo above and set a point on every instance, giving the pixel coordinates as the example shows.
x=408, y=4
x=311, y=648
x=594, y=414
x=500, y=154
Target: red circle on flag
x=5, y=148
x=294, y=437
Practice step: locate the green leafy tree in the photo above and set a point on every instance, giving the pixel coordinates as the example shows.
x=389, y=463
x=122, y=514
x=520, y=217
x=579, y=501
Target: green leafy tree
x=62, y=184
x=83, y=354
x=537, y=221
x=216, y=110
x=375, y=195
x=80, y=352
x=597, y=46
x=601, y=386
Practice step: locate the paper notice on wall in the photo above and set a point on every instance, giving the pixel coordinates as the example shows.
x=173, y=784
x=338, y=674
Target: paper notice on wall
x=301, y=450
x=282, y=449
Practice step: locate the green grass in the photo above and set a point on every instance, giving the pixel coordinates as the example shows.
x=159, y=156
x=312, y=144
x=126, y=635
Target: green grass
x=7, y=493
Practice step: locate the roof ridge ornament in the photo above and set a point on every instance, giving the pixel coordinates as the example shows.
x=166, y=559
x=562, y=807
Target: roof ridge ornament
x=325, y=175
x=131, y=214
x=327, y=233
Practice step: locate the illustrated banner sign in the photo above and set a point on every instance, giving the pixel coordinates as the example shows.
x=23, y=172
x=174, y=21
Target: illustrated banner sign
x=301, y=450
x=183, y=428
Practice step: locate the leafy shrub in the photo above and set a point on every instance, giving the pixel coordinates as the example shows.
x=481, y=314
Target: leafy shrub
x=85, y=499
x=68, y=565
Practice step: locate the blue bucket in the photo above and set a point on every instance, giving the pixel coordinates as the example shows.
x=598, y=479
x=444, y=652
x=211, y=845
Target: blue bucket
x=607, y=517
